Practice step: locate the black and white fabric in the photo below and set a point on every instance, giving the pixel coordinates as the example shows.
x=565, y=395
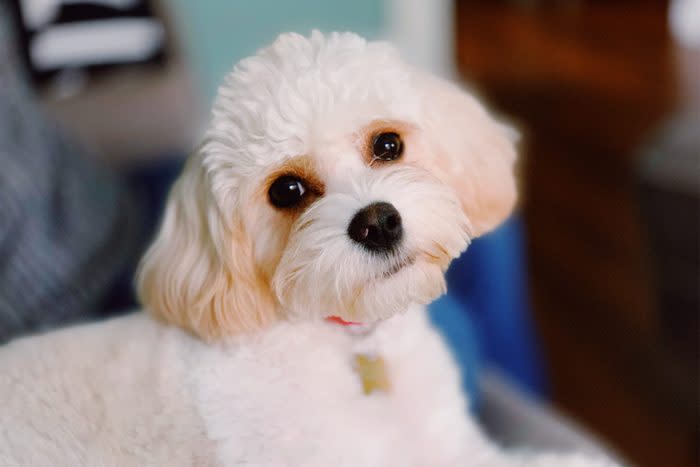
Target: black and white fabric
x=66, y=225
x=68, y=36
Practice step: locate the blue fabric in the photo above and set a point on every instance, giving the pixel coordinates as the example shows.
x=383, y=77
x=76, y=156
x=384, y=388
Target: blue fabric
x=149, y=185
x=487, y=302
x=457, y=328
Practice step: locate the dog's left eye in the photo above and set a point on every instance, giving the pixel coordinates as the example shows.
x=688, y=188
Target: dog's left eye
x=387, y=146
x=287, y=191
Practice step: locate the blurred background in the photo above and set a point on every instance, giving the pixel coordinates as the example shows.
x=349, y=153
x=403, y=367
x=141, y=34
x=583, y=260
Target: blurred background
x=576, y=322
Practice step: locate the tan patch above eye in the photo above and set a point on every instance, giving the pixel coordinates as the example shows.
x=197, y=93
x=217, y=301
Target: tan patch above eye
x=367, y=135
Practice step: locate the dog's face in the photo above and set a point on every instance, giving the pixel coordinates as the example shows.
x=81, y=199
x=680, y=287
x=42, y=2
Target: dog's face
x=333, y=180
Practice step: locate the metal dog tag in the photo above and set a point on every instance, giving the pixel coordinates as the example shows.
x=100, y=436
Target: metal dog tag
x=372, y=372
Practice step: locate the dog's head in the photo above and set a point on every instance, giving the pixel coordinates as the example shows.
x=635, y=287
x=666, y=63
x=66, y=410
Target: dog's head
x=334, y=179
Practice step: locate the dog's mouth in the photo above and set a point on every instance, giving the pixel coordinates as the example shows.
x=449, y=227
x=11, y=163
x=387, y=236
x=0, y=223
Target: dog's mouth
x=398, y=266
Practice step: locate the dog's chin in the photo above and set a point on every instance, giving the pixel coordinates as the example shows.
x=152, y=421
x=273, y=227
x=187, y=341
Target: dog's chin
x=380, y=294
x=413, y=280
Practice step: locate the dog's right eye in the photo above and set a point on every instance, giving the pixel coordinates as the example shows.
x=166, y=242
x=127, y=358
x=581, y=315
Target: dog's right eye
x=287, y=191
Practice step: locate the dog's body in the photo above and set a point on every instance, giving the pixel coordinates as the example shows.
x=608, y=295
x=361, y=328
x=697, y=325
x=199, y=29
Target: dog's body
x=132, y=391
x=334, y=181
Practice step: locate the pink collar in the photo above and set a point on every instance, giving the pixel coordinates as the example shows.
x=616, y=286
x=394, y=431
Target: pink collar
x=341, y=321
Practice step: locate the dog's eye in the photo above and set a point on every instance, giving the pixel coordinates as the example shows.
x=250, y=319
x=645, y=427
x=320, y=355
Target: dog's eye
x=287, y=191
x=387, y=146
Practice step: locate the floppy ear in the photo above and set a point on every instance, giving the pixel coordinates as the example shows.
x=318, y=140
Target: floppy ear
x=475, y=154
x=199, y=272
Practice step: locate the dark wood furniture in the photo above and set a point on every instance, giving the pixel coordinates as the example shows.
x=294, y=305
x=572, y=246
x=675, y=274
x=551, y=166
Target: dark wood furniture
x=589, y=83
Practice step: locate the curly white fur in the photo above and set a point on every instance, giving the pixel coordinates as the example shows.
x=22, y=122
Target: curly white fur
x=259, y=378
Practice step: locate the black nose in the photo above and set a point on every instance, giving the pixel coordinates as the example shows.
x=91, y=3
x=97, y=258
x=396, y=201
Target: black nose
x=377, y=227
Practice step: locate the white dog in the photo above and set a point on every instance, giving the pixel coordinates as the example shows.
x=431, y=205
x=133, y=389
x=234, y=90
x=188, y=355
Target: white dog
x=288, y=279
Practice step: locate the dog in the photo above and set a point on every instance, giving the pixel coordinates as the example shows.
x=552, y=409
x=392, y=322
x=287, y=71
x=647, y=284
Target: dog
x=285, y=291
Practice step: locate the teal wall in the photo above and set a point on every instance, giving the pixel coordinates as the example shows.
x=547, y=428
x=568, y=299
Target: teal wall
x=218, y=33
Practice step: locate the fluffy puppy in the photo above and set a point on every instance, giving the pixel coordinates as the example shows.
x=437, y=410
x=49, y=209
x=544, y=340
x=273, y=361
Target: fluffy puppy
x=333, y=181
